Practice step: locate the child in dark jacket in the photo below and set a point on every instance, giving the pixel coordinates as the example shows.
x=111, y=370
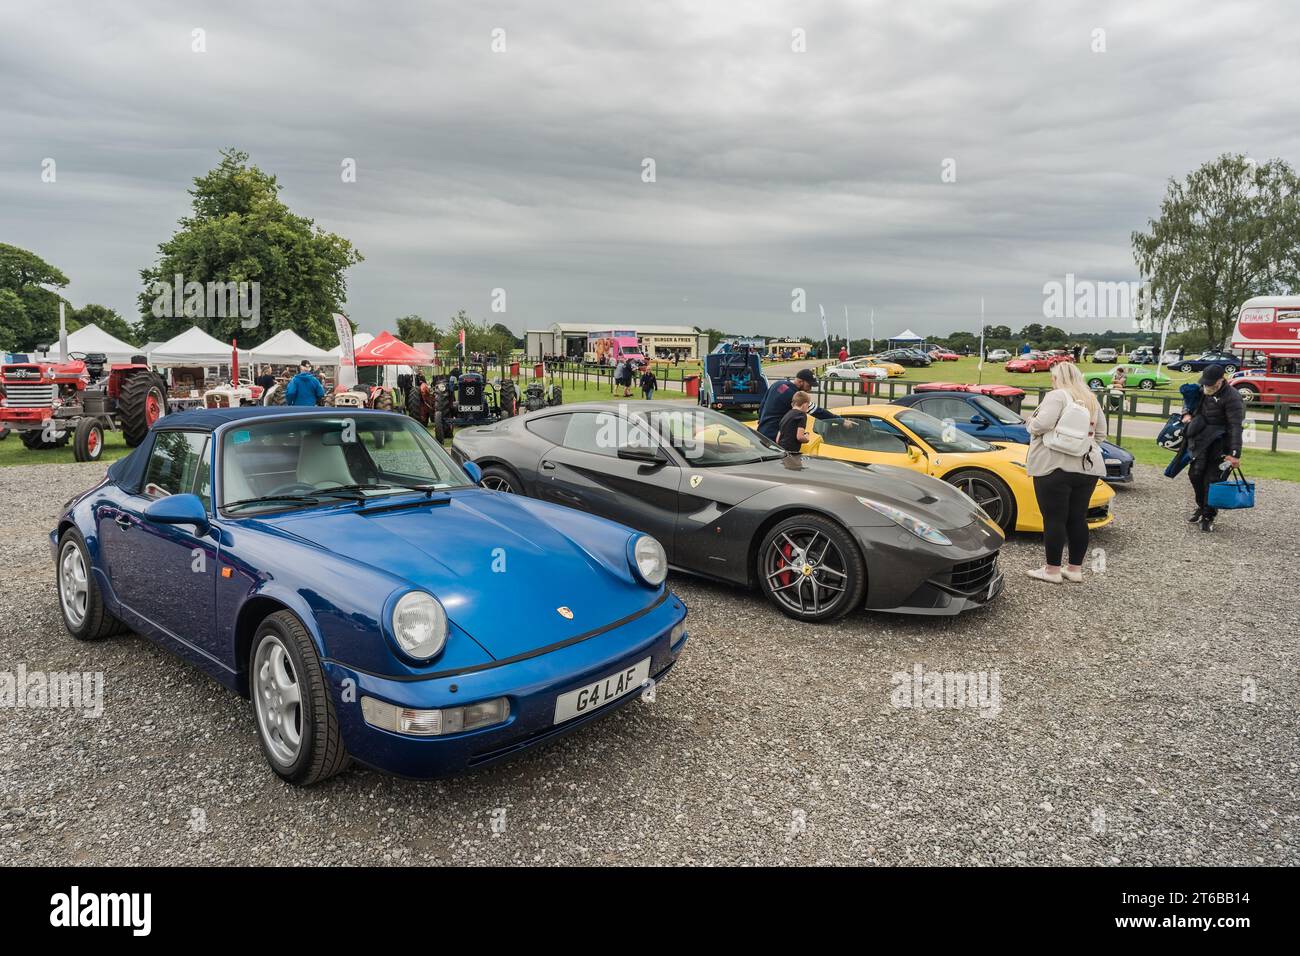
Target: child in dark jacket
x=1171, y=436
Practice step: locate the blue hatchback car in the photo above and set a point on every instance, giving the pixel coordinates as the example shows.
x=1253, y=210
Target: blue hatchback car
x=990, y=420
x=374, y=602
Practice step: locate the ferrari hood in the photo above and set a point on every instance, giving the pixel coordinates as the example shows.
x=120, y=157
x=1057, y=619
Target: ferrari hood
x=499, y=563
x=927, y=498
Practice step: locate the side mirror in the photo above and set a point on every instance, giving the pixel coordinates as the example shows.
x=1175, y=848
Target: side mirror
x=473, y=471
x=979, y=421
x=915, y=453
x=641, y=453
x=178, y=509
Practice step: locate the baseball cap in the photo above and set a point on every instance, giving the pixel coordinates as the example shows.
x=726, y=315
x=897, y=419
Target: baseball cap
x=1211, y=374
x=806, y=375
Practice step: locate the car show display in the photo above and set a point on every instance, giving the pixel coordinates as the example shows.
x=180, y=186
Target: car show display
x=820, y=542
x=991, y=475
x=1134, y=376
x=305, y=568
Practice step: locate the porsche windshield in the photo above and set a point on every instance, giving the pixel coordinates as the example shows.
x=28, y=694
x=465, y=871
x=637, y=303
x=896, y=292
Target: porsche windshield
x=294, y=462
x=704, y=437
x=939, y=436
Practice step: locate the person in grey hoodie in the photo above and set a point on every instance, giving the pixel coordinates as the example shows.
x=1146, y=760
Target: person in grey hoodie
x=1063, y=484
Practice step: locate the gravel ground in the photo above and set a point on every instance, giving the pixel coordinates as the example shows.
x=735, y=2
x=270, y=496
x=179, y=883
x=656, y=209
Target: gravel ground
x=1123, y=735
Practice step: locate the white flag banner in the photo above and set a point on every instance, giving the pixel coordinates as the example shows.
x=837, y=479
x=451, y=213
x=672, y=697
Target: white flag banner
x=980, y=366
x=1164, y=330
x=848, y=341
x=347, y=374
x=826, y=333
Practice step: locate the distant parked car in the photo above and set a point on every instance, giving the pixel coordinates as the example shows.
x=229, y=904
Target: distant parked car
x=998, y=355
x=856, y=371
x=913, y=358
x=1037, y=361
x=1228, y=360
x=1135, y=376
x=1142, y=355
x=943, y=355
x=1105, y=355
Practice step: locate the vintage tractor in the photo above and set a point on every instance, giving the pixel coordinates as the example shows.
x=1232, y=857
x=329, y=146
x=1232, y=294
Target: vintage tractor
x=461, y=399
x=538, y=396
x=362, y=396
x=46, y=403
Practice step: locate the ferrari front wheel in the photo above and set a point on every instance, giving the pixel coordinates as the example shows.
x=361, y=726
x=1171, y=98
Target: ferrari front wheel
x=811, y=569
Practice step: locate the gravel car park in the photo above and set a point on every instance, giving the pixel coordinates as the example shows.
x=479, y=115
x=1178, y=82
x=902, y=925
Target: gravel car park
x=1146, y=717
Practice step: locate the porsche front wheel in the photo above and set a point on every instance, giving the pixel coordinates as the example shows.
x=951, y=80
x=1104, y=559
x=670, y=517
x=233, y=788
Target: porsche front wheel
x=811, y=569
x=84, y=614
x=296, y=723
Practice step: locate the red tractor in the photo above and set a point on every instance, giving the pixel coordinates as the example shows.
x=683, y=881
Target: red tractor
x=46, y=403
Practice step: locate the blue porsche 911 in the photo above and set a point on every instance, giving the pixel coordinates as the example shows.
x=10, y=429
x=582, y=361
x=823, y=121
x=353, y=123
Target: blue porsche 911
x=374, y=602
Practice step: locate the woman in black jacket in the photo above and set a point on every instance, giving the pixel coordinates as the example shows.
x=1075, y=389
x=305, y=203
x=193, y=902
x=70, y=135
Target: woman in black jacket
x=1213, y=438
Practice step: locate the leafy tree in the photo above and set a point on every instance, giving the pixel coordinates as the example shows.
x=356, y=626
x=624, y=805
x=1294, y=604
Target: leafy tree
x=15, y=327
x=412, y=328
x=1229, y=231
x=107, y=319
x=27, y=275
x=240, y=231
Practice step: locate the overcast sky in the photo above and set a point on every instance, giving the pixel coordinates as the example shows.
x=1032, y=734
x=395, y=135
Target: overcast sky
x=522, y=169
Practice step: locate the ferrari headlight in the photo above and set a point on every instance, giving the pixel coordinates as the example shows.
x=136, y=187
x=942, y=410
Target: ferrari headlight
x=926, y=532
x=648, y=560
x=420, y=625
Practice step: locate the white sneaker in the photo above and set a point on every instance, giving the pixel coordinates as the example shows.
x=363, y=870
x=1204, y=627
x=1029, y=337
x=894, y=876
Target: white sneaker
x=1075, y=576
x=1042, y=574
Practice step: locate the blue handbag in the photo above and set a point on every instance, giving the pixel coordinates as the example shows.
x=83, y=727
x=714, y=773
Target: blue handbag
x=1236, y=492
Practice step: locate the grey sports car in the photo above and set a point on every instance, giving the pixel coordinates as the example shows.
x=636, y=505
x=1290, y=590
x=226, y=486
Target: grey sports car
x=726, y=503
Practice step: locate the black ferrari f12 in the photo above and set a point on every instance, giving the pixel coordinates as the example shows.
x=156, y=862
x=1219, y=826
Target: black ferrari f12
x=820, y=538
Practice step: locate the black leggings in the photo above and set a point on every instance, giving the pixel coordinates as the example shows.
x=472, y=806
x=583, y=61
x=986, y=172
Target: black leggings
x=1063, y=498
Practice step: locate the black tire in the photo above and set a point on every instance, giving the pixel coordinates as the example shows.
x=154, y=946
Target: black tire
x=441, y=430
x=142, y=397
x=96, y=622
x=499, y=478
x=557, y=396
x=35, y=440
x=509, y=400
x=415, y=406
x=88, y=443
x=987, y=487
x=320, y=753
x=846, y=568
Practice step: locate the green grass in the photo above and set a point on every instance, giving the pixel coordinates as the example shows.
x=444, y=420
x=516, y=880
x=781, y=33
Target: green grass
x=1281, y=465
x=12, y=452
x=965, y=371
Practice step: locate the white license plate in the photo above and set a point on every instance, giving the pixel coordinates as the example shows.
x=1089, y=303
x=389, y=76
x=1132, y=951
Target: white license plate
x=471, y=408
x=586, y=699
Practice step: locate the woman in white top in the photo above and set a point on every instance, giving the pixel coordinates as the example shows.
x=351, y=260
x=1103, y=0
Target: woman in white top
x=1063, y=483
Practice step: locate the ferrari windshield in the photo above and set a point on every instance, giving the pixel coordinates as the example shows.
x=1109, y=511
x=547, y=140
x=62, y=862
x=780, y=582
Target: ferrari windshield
x=705, y=438
x=941, y=437
x=294, y=462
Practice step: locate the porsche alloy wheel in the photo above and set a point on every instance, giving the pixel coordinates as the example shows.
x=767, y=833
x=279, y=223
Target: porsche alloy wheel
x=74, y=584
x=84, y=614
x=811, y=569
x=296, y=723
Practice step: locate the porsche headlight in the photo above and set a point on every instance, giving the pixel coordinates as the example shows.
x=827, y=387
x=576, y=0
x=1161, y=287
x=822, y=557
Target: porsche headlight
x=926, y=532
x=648, y=560
x=420, y=625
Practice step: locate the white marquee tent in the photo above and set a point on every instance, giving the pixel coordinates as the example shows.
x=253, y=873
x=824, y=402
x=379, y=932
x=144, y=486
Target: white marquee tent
x=194, y=347
x=287, y=347
x=91, y=338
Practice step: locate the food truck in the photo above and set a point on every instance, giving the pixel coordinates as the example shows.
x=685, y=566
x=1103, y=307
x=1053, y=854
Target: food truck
x=610, y=348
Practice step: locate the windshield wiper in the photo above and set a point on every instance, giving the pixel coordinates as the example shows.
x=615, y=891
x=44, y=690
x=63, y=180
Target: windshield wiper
x=263, y=499
x=426, y=488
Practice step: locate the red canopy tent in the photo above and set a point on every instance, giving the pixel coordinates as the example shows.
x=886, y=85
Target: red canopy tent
x=386, y=349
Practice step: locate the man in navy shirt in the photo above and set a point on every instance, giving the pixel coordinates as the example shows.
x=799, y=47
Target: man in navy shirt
x=777, y=402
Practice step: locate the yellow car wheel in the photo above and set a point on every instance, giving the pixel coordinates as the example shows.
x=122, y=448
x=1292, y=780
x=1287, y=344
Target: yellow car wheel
x=989, y=492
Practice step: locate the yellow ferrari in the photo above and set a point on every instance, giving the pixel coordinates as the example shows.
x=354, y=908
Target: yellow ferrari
x=991, y=474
